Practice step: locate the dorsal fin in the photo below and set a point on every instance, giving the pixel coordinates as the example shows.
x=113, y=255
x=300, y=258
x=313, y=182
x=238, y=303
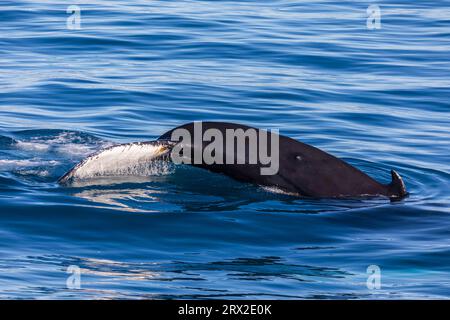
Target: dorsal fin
x=397, y=187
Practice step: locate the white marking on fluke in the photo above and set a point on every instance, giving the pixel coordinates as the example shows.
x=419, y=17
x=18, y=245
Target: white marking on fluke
x=130, y=159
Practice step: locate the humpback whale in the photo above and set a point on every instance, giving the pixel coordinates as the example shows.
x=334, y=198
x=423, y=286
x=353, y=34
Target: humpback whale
x=302, y=169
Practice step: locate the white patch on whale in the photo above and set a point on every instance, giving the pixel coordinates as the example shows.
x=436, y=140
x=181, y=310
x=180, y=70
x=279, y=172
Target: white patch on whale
x=276, y=190
x=131, y=159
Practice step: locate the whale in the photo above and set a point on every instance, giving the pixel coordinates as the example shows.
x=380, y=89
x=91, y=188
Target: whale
x=303, y=170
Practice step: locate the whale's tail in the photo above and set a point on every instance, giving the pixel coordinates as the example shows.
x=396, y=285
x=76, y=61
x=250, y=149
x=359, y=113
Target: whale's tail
x=129, y=159
x=396, y=188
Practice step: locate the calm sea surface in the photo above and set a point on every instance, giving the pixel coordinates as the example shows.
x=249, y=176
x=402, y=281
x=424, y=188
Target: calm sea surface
x=378, y=98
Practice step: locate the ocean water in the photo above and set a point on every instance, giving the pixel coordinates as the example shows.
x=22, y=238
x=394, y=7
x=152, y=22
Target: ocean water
x=316, y=70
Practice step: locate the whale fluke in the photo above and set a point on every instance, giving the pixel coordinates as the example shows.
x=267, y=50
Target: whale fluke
x=119, y=160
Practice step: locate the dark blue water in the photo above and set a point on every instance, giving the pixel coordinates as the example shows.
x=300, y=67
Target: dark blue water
x=378, y=98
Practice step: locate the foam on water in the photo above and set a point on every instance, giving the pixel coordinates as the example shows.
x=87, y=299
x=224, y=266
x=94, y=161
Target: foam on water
x=33, y=146
x=68, y=143
x=16, y=164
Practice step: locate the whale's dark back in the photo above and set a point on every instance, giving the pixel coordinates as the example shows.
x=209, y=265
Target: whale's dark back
x=303, y=169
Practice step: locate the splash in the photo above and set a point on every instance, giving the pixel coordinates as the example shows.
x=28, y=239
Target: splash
x=66, y=143
x=16, y=164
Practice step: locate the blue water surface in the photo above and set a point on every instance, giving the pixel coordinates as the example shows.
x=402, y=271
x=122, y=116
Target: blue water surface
x=315, y=70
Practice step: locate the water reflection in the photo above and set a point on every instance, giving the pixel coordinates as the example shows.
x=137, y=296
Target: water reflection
x=153, y=276
x=120, y=199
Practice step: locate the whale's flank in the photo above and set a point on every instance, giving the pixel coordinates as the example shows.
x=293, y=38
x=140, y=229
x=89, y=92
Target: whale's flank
x=303, y=169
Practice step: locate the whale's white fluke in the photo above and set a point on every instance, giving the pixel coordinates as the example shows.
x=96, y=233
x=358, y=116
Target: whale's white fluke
x=128, y=159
